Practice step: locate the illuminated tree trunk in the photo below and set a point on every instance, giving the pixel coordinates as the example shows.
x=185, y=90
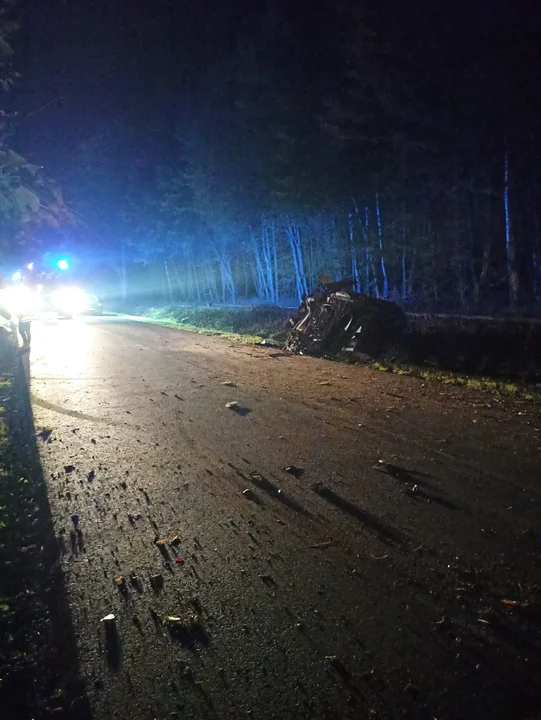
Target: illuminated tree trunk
x=123, y=272
x=275, y=263
x=168, y=282
x=294, y=238
x=268, y=238
x=367, y=255
x=229, y=290
x=196, y=293
x=211, y=285
x=513, y=278
x=257, y=270
x=353, y=254
x=382, y=255
x=179, y=283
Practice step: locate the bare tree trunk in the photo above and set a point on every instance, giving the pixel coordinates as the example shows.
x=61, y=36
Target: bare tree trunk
x=294, y=237
x=275, y=263
x=269, y=238
x=367, y=254
x=513, y=277
x=179, y=283
x=260, y=279
x=353, y=254
x=245, y=280
x=536, y=253
x=382, y=257
x=168, y=282
x=434, y=273
x=197, y=289
x=228, y=283
x=211, y=285
x=412, y=273
x=404, y=283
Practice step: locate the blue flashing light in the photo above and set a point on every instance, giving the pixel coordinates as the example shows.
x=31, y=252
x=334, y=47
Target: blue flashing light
x=62, y=264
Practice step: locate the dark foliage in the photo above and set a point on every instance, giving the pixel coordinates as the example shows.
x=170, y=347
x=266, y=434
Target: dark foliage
x=265, y=144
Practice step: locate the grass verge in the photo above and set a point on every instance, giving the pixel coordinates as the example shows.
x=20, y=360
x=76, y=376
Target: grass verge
x=519, y=390
x=250, y=325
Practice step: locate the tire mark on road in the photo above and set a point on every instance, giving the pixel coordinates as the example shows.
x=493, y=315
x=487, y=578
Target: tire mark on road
x=65, y=411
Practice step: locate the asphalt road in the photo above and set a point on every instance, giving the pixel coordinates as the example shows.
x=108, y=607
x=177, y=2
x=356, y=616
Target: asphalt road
x=396, y=573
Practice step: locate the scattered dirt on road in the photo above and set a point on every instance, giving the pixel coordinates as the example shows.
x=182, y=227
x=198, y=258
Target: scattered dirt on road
x=358, y=544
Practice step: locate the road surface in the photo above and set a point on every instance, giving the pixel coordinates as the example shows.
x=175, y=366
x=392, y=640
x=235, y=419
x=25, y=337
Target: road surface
x=394, y=571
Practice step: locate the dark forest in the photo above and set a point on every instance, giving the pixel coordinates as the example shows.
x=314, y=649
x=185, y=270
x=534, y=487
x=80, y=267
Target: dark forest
x=232, y=152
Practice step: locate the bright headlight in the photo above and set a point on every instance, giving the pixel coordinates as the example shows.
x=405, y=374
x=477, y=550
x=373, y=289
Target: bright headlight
x=70, y=300
x=20, y=300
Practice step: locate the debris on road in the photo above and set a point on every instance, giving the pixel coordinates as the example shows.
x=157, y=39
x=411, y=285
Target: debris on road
x=69, y=468
x=156, y=582
x=249, y=494
x=322, y=545
x=237, y=407
x=91, y=475
x=179, y=561
x=137, y=622
x=295, y=471
x=75, y=519
x=173, y=621
x=195, y=621
x=228, y=383
x=121, y=584
x=45, y=434
x=136, y=583
x=146, y=495
x=514, y=603
x=112, y=642
x=175, y=541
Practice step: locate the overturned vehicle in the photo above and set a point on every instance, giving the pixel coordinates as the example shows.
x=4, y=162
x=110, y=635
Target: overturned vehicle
x=337, y=319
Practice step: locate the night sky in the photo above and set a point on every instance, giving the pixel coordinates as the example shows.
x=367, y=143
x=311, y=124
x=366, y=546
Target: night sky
x=100, y=61
x=141, y=63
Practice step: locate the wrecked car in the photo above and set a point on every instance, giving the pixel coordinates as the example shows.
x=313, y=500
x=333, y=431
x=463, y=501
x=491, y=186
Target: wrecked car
x=338, y=319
